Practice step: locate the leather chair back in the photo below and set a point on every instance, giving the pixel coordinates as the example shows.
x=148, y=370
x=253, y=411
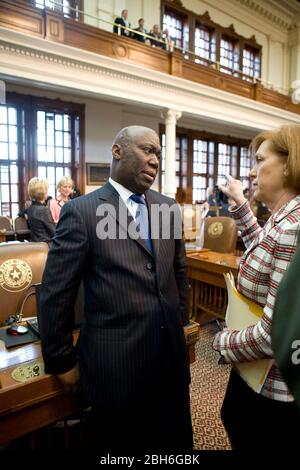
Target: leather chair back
x=21, y=228
x=21, y=265
x=220, y=234
x=6, y=224
x=21, y=224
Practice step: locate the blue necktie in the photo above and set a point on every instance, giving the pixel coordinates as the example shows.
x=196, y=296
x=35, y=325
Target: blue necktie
x=142, y=219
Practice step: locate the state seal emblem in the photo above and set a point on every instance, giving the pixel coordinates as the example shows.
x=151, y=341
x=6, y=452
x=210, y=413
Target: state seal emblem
x=215, y=229
x=15, y=275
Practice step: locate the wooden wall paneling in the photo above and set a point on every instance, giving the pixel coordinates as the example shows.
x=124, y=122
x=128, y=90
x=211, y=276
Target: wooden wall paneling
x=22, y=17
x=103, y=42
x=199, y=73
x=271, y=97
x=153, y=58
x=238, y=87
x=211, y=77
x=175, y=63
x=54, y=27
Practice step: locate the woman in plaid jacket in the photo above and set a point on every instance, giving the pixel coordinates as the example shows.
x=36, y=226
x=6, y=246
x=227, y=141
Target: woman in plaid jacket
x=270, y=416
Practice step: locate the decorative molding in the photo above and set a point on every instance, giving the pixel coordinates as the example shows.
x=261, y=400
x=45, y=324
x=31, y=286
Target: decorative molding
x=71, y=63
x=101, y=76
x=232, y=30
x=206, y=16
x=267, y=14
x=177, y=2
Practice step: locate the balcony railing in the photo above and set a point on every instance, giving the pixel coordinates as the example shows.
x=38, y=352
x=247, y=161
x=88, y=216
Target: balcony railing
x=54, y=26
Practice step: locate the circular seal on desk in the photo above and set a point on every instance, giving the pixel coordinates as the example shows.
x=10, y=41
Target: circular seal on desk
x=215, y=229
x=15, y=275
x=28, y=371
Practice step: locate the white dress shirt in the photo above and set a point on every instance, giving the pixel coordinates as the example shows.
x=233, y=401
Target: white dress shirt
x=125, y=194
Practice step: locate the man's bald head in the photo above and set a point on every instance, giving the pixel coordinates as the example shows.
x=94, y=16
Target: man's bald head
x=130, y=133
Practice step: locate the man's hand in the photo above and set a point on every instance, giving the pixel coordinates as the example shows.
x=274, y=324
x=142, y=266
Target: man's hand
x=70, y=380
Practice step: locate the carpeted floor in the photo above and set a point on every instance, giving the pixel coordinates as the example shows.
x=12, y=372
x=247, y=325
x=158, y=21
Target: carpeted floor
x=209, y=381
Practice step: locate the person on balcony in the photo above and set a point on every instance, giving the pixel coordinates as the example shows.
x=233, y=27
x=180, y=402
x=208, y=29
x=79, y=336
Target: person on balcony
x=140, y=29
x=169, y=42
x=122, y=21
x=155, y=33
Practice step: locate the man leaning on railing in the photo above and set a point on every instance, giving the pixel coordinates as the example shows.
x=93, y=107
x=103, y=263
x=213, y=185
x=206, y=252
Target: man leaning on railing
x=122, y=21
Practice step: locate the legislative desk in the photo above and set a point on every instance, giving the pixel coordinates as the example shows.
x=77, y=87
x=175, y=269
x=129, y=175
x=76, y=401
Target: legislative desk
x=40, y=400
x=35, y=403
x=208, y=296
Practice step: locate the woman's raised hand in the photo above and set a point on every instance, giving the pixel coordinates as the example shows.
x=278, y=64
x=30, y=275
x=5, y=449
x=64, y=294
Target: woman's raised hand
x=234, y=190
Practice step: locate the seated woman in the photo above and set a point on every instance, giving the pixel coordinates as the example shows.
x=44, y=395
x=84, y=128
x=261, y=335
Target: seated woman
x=65, y=189
x=269, y=418
x=39, y=216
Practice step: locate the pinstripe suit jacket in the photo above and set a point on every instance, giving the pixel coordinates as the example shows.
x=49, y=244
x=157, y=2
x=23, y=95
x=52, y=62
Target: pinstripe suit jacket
x=129, y=295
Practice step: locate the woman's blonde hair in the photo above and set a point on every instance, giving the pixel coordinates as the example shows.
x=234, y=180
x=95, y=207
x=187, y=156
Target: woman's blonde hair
x=63, y=181
x=285, y=141
x=38, y=188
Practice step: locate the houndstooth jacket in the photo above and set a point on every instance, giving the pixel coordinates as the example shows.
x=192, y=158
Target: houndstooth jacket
x=269, y=251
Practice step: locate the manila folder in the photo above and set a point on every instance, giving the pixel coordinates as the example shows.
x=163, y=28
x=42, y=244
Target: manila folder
x=241, y=313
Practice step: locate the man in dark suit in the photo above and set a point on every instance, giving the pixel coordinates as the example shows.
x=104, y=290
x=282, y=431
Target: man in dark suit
x=122, y=20
x=286, y=327
x=132, y=356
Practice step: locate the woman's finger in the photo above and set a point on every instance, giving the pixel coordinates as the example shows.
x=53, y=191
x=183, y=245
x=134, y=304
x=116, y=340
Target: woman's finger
x=223, y=188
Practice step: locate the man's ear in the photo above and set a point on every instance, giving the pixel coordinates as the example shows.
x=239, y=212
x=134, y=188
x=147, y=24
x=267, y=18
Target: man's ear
x=116, y=151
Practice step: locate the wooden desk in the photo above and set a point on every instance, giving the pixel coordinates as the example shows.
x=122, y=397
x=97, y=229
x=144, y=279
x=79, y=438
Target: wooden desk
x=208, y=296
x=38, y=402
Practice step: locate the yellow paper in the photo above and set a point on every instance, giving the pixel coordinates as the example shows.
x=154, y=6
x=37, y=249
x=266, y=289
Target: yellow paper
x=241, y=313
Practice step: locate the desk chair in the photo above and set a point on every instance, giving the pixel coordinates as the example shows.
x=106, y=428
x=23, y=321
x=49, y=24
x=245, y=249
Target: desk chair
x=6, y=224
x=220, y=234
x=21, y=265
x=22, y=230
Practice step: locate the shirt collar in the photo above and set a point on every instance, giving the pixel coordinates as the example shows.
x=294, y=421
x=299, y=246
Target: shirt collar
x=123, y=192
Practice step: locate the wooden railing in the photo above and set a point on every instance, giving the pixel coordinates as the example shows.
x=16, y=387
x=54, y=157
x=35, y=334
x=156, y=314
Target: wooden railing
x=47, y=24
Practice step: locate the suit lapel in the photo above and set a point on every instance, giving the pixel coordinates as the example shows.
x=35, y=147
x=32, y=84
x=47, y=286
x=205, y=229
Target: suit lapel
x=118, y=210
